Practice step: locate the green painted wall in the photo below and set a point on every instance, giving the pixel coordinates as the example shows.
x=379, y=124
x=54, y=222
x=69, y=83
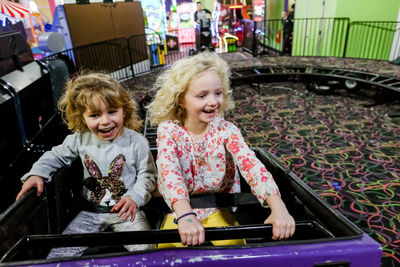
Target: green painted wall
x=368, y=10
x=314, y=36
x=365, y=40
x=356, y=10
x=273, y=9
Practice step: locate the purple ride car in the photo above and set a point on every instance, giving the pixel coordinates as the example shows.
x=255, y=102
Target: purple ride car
x=323, y=236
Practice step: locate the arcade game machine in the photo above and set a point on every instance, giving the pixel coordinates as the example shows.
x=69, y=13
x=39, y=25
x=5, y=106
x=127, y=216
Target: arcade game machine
x=173, y=20
x=236, y=20
x=155, y=30
x=172, y=35
x=229, y=28
x=155, y=16
x=186, y=24
x=230, y=43
x=258, y=10
x=231, y=25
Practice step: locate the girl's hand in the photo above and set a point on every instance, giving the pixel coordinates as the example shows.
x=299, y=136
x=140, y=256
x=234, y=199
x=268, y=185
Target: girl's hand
x=191, y=231
x=283, y=224
x=33, y=181
x=126, y=204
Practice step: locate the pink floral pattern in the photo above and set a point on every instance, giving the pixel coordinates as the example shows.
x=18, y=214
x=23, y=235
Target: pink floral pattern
x=188, y=166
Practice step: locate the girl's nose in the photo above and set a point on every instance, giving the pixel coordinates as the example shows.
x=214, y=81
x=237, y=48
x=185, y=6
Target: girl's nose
x=212, y=101
x=104, y=119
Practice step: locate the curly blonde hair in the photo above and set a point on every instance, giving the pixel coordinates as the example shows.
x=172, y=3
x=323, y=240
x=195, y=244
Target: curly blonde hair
x=83, y=90
x=171, y=86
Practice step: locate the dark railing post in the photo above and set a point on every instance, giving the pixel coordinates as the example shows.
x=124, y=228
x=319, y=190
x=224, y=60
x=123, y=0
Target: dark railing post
x=254, y=43
x=130, y=55
x=346, y=39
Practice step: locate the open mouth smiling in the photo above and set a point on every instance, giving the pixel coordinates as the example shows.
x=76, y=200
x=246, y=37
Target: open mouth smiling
x=108, y=130
x=209, y=111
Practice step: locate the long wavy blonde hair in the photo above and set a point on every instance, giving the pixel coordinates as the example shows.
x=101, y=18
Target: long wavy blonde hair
x=171, y=86
x=83, y=90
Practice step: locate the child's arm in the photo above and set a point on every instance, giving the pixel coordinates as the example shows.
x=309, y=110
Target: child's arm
x=191, y=230
x=33, y=181
x=146, y=172
x=262, y=184
x=171, y=185
x=49, y=163
x=283, y=224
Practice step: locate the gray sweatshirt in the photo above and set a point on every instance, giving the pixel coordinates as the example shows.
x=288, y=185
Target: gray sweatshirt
x=112, y=169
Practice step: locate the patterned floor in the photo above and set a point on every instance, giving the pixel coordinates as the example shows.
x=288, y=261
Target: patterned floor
x=344, y=148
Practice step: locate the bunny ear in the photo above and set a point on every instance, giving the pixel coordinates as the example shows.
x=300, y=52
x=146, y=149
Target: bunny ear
x=92, y=167
x=116, y=167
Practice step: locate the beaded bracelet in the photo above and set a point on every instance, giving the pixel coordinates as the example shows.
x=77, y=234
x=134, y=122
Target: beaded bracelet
x=176, y=220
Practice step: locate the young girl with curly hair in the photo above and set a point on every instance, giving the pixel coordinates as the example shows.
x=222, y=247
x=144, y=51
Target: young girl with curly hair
x=119, y=170
x=199, y=152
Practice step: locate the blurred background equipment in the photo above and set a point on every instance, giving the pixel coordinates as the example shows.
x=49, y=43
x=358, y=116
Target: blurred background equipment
x=51, y=42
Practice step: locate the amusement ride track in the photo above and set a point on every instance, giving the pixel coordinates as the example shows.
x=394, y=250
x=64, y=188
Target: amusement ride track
x=338, y=130
x=343, y=142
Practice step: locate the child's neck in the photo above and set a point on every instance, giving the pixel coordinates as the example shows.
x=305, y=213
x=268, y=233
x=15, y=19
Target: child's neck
x=198, y=130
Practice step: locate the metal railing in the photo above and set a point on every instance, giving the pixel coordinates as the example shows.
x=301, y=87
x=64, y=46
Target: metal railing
x=320, y=37
x=125, y=58
x=337, y=37
x=374, y=40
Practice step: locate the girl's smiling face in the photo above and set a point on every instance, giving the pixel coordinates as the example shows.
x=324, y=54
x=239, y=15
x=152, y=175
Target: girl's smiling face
x=104, y=121
x=202, y=100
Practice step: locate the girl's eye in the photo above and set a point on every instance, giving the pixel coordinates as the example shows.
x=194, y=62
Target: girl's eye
x=219, y=93
x=112, y=111
x=201, y=96
x=93, y=115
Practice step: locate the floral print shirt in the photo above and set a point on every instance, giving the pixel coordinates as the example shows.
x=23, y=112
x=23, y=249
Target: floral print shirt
x=187, y=166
